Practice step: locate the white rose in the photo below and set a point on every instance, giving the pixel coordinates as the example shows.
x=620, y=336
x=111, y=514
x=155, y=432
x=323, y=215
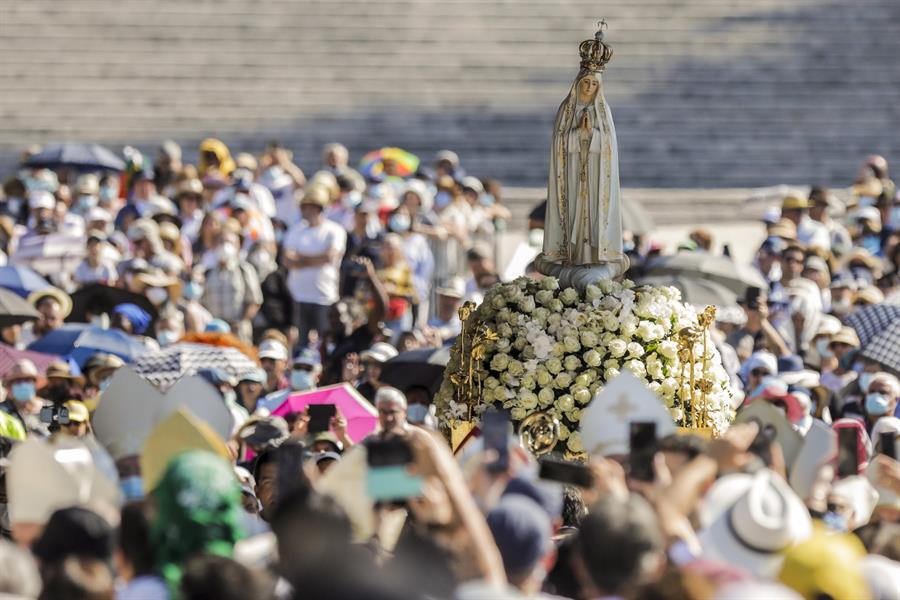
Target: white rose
x=516, y=368
x=592, y=358
x=563, y=380
x=583, y=380
x=571, y=363
x=589, y=339
x=574, y=415
x=554, y=320
x=546, y=397
x=636, y=367
x=528, y=400
x=617, y=348
x=565, y=403
x=592, y=292
x=500, y=394
x=558, y=350
x=569, y=296
x=517, y=414
x=540, y=316
x=550, y=284
x=635, y=349
x=554, y=365
x=647, y=331
x=570, y=343
x=527, y=382
x=544, y=297
x=629, y=326
x=564, y=432
x=491, y=383
x=574, y=443
x=498, y=302
x=669, y=387
x=543, y=376
x=582, y=395
x=610, y=374
x=504, y=330
x=527, y=305
x=555, y=305
x=500, y=362
x=668, y=348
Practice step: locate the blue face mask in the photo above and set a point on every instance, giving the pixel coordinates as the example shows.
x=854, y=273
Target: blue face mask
x=166, y=337
x=877, y=404
x=442, y=199
x=22, y=391
x=192, y=290
x=104, y=383
x=834, y=521
x=487, y=199
x=108, y=193
x=352, y=199
x=132, y=487
x=302, y=380
x=399, y=223
x=416, y=413
x=86, y=203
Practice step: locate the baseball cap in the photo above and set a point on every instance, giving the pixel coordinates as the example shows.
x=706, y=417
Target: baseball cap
x=380, y=352
x=273, y=349
x=41, y=199
x=307, y=357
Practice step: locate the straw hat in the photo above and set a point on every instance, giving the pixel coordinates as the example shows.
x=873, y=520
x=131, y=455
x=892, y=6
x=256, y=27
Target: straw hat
x=750, y=520
x=317, y=195
x=22, y=369
x=794, y=203
x=61, y=370
x=784, y=229
x=65, y=302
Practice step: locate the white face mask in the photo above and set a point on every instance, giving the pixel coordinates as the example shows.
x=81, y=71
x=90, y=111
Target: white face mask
x=156, y=296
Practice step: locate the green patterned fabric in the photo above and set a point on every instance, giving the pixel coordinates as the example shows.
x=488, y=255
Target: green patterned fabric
x=198, y=510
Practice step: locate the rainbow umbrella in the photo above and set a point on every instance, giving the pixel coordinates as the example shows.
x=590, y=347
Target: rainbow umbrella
x=372, y=164
x=362, y=419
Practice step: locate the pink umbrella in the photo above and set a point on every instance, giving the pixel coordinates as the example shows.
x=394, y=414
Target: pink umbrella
x=362, y=418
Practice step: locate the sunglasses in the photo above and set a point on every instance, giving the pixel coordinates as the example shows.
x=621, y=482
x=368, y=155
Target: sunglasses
x=759, y=372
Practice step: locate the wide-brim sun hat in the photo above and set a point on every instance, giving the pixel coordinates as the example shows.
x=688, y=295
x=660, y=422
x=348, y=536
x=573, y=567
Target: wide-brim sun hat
x=750, y=520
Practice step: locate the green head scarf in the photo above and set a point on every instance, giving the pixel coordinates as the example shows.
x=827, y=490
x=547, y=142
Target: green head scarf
x=198, y=510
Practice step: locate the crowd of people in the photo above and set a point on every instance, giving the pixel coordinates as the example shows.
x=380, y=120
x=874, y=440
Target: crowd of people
x=323, y=280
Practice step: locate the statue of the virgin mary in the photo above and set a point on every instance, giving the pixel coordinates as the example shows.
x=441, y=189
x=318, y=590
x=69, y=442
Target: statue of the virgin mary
x=583, y=226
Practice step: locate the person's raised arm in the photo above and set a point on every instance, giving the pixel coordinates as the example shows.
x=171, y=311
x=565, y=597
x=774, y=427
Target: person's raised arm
x=379, y=293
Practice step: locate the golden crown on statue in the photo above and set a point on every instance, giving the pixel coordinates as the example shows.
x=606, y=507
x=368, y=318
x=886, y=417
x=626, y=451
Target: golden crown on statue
x=595, y=53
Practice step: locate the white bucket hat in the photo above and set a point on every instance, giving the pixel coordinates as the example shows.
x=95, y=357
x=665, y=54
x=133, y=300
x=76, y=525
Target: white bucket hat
x=749, y=520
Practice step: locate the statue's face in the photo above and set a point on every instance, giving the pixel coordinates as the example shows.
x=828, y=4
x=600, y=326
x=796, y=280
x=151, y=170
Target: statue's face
x=587, y=88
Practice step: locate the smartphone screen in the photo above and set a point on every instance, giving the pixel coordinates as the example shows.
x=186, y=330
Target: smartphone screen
x=752, y=297
x=848, y=461
x=642, y=449
x=388, y=477
x=565, y=472
x=495, y=431
x=320, y=416
x=887, y=442
x=47, y=414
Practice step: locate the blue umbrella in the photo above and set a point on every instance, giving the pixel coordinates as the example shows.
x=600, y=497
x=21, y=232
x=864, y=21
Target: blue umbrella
x=21, y=280
x=86, y=157
x=80, y=342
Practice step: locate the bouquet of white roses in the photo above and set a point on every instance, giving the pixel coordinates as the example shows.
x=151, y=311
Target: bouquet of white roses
x=551, y=350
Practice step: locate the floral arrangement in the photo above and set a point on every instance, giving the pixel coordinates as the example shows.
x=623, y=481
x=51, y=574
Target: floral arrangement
x=531, y=347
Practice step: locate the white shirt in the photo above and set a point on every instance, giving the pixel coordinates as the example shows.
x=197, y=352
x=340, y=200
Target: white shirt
x=103, y=272
x=316, y=285
x=813, y=233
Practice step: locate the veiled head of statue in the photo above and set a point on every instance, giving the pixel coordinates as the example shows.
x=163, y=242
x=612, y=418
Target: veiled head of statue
x=587, y=88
